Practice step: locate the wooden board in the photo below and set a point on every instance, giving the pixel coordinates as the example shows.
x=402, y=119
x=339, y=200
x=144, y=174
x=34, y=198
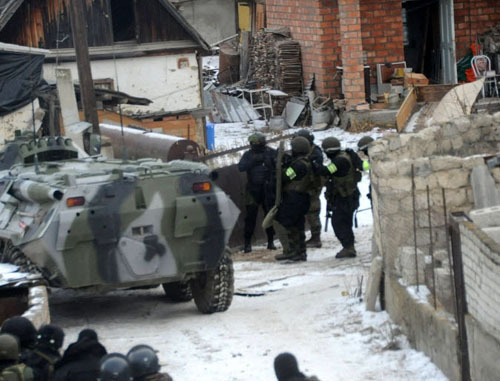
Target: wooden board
x=406, y=110
x=432, y=93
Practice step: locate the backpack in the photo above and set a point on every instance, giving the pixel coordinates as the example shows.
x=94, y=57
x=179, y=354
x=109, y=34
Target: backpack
x=18, y=372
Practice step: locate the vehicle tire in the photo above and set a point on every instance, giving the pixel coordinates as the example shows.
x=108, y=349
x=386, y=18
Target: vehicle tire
x=13, y=255
x=178, y=291
x=213, y=290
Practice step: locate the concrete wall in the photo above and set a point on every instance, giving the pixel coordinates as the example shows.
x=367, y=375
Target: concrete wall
x=154, y=77
x=213, y=19
x=443, y=157
x=21, y=119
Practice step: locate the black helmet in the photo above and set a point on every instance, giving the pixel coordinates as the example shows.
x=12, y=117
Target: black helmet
x=143, y=361
x=9, y=347
x=331, y=145
x=50, y=335
x=22, y=328
x=257, y=139
x=306, y=134
x=364, y=142
x=286, y=366
x=300, y=145
x=115, y=367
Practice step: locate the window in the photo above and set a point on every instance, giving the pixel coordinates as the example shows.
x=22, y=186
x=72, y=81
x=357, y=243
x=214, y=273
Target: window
x=122, y=13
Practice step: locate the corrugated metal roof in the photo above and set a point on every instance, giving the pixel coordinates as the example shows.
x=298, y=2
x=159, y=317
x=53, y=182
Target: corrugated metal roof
x=233, y=109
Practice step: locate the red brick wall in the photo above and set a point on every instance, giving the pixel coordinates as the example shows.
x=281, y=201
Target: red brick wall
x=473, y=17
x=314, y=23
x=382, y=31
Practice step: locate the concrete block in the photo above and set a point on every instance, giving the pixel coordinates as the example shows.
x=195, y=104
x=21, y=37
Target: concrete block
x=486, y=217
x=405, y=263
x=373, y=287
x=444, y=292
x=483, y=185
x=494, y=233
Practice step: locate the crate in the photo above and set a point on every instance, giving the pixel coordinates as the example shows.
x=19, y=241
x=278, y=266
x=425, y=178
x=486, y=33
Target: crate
x=415, y=79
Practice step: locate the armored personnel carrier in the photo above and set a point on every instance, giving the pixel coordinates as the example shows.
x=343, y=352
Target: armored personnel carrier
x=96, y=224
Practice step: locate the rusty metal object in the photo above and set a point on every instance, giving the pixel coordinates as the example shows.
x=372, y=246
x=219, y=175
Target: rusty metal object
x=431, y=247
x=141, y=144
x=413, y=195
x=448, y=250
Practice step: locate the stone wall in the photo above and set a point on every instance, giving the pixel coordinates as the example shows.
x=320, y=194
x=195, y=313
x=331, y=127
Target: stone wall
x=442, y=157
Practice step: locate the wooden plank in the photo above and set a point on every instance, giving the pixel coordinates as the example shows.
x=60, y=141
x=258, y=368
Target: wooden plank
x=406, y=110
x=432, y=93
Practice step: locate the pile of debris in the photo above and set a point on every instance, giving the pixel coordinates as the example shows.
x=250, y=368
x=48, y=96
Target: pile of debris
x=275, y=61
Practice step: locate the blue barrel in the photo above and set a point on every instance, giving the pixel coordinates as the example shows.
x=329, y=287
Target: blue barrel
x=210, y=132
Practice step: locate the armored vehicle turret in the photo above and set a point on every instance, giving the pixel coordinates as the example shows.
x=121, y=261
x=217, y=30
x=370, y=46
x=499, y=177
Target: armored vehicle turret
x=97, y=224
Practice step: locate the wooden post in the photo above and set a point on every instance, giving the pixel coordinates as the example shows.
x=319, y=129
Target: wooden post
x=87, y=96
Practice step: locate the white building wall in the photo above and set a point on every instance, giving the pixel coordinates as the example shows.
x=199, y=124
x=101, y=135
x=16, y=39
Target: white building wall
x=157, y=78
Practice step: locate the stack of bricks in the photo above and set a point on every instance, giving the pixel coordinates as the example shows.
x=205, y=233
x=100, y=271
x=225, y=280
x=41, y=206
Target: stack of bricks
x=352, y=52
x=382, y=32
x=473, y=18
x=314, y=24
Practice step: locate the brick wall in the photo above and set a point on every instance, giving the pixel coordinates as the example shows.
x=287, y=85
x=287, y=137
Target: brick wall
x=481, y=260
x=473, y=17
x=314, y=24
x=382, y=32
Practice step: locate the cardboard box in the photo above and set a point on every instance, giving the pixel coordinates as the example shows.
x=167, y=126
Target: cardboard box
x=415, y=79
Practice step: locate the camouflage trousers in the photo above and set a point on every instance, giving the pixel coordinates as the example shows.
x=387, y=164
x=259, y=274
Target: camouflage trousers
x=313, y=215
x=293, y=239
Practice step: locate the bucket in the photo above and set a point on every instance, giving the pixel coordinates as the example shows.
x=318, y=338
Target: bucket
x=319, y=117
x=277, y=123
x=210, y=134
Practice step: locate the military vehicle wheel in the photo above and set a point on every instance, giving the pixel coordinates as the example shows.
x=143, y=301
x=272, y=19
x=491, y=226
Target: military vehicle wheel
x=13, y=255
x=178, y=291
x=213, y=290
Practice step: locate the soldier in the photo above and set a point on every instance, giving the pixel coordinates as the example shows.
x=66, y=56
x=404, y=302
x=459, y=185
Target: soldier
x=10, y=367
x=25, y=332
x=42, y=359
x=363, y=145
x=287, y=369
x=313, y=215
x=115, y=367
x=145, y=365
x=342, y=192
x=81, y=359
x=297, y=181
x=259, y=163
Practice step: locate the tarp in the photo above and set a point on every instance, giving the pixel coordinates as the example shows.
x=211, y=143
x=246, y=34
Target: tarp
x=20, y=78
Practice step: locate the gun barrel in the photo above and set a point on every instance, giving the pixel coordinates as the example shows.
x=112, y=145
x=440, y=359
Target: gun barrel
x=32, y=191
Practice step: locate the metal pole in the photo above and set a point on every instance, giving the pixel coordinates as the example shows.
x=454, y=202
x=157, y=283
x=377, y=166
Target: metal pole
x=414, y=219
x=431, y=247
x=79, y=30
x=448, y=250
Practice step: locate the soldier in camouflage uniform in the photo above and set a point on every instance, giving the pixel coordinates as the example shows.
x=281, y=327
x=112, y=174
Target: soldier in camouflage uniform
x=145, y=365
x=313, y=215
x=10, y=368
x=342, y=192
x=259, y=163
x=297, y=183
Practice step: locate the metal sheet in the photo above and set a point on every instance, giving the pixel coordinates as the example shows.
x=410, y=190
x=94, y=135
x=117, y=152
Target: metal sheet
x=233, y=109
x=293, y=111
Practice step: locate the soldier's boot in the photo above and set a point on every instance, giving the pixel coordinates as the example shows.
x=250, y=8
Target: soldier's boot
x=247, y=248
x=270, y=244
x=314, y=241
x=302, y=257
x=346, y=252
x=282, y=257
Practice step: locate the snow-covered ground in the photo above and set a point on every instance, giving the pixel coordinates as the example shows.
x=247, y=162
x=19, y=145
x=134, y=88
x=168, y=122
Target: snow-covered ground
x=310, y=309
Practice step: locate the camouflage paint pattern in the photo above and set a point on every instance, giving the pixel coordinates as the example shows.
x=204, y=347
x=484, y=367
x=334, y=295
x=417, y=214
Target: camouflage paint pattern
x=132, y=223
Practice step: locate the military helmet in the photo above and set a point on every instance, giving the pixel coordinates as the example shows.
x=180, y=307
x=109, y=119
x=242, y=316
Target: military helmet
x=257, y=138
x=50, y=335
x=306, y=134
x=331, y=145
x=286, y=366
x=364, y=142
x=115, y=367
x=143, y=361
x=9, y=347
x=22, y=328
x=300, y=145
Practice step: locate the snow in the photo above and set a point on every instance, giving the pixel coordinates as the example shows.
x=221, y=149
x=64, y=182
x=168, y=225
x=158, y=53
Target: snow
x=311, y=309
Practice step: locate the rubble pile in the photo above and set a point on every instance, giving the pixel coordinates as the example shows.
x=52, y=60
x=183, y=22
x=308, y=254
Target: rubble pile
x=275, y=61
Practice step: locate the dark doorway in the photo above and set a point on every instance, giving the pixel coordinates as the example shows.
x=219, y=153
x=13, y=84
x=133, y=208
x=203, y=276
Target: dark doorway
x=422, y=37
x=123, y=16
